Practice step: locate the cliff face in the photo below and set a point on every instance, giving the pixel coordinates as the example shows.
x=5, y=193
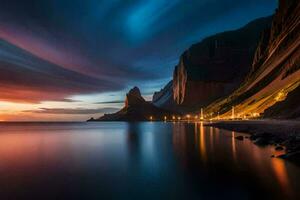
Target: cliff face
x=287, y=109
x=275, y=69
x=161, y=97
x=164, y=99
x=280, y=35
x=211, y=69
x=217, y=65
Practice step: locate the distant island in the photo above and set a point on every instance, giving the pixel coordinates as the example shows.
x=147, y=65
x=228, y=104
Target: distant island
x=137, y=109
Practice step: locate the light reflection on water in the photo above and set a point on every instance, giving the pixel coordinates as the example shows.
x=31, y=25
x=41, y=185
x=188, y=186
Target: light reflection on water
x=138, y=160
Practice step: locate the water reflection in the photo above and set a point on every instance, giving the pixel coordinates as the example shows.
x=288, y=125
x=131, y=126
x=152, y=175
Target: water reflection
x=233, y=146
x=133, y=138
x=241, y=159
x=202, y=142
x=211, y=135
x=139, y=161
x=280, y=172
x=180, y=140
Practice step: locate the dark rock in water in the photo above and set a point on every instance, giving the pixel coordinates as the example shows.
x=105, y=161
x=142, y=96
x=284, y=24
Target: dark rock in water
x=261, y=135
x=293, y=156
x=137, y=109
x=253, y=137
x=279, y=148
x=262, y=138
x=240, y=137
x=283, y=135
x=262, y=141
x=292, y=143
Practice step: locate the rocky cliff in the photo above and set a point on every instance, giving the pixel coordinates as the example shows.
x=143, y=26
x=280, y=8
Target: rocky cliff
x=134, y=98
x=212, y=68
x=275, y=68
x=136, y=108
x=287, y=109
x=217, y=65
x=164, y=99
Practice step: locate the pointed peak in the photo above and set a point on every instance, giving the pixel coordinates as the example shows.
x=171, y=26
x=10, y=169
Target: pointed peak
x=134, y=97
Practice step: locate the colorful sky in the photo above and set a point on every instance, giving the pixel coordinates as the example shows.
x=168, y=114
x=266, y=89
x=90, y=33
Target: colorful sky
x=68, y=60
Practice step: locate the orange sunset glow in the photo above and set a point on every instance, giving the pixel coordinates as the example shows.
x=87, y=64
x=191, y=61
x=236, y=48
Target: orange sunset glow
x=149, y=99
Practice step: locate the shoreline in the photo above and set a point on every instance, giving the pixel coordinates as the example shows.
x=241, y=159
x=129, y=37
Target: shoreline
x=279, y=133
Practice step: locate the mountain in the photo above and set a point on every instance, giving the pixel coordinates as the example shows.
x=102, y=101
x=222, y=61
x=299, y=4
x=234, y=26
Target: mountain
x=287, y=109
x=136, y=109
x=273, y=82
x=212, y=68
x=254, y=69
x=164, y=99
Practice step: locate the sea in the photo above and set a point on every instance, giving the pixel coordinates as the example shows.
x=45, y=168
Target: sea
x=142, y=160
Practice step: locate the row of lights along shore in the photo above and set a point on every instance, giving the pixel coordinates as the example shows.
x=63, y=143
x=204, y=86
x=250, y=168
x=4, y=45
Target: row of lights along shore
x=201, y=117
x=176, y=118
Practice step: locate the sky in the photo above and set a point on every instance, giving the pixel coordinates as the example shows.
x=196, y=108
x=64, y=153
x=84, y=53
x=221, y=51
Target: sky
x=69, y=60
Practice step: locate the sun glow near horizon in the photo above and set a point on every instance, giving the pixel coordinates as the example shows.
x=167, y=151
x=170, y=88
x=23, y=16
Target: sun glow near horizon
x=51, y=111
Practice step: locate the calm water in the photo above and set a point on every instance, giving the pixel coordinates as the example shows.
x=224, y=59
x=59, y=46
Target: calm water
x=138, y=161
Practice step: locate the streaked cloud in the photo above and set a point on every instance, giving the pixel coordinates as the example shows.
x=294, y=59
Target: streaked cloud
x=110, y=102
x=72, y=111
x=76, y=53
x=25, y=77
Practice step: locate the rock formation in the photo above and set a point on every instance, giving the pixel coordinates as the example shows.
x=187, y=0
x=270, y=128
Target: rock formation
x=287, y=109
x=275, y=69
x=255, y=68
x=217, y=65
x=134, y=97
x=212, y=68
x=164, y=99
x=136, y=108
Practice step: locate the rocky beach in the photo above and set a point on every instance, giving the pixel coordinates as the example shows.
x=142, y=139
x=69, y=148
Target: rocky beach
x=282, y=134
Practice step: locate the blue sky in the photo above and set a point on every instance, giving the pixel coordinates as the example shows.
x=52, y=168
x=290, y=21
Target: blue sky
x=75, y=54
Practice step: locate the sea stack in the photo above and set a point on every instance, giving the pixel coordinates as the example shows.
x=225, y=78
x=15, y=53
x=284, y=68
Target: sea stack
x=134, y=98
x=136, y=108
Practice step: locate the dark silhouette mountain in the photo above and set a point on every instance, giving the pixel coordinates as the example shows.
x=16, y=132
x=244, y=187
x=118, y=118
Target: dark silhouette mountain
x=275, y=69
x=136, y=109
x=212, y=68
x=255, y=68
x=164, y=99
x=287, y=109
